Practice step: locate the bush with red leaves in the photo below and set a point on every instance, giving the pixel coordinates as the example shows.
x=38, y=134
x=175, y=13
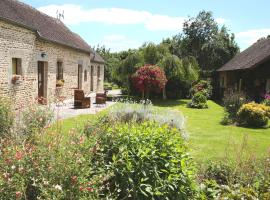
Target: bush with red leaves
x=149, y=78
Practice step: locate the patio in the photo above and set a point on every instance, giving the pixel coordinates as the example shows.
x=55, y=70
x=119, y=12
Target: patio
x=66, y=110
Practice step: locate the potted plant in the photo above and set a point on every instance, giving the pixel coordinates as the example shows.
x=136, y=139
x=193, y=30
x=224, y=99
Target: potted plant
x=60, y=83
x=15, y=78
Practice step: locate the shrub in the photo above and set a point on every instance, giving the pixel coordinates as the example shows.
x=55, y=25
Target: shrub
x=202, y=86
x=133, y=112
x=146, y=161
x=35, y=119
x=232, y=104
x=52, y=168
x=253, y=115
x=6, y=117
x=267, y=100
x=149, y=78
x=199, y=100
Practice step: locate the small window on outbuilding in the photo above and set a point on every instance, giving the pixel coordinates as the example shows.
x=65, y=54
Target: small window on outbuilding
x=16, y=66
x=85, y=75
x=60, y=71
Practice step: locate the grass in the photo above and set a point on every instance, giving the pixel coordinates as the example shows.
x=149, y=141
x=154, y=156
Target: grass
x=209, y=140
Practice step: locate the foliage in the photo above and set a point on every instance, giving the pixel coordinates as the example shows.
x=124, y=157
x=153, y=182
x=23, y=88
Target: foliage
x=149, y=78
x=253, y=115
x=211, y=46
x=112, y=62
x=248, y=179
x=150, y=54
x=267, y=100
x=6, y=117
x=110, y=86
x=60, y=83
x=199, y=100
x=146, y=161
x=202, y=86
x=232, y=104
x=53, y=167
x=129, y=111
x=35, y=118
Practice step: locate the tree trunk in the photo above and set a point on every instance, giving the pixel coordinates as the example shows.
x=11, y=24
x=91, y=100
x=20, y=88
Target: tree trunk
x=164, y=93
x=143, y=95
x=147, y=94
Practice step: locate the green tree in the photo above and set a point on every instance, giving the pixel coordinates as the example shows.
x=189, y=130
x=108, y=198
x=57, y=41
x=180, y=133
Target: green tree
x=210, y=45
x=150, y=53
x=173, y=69
x=128, y=66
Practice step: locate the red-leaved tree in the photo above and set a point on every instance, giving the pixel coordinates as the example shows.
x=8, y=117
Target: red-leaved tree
x=149, y=78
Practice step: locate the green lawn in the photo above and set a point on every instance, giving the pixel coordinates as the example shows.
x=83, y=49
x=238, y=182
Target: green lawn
x=209, y=140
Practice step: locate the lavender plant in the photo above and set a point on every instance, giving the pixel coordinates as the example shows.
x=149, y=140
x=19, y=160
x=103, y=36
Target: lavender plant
x=132, y=111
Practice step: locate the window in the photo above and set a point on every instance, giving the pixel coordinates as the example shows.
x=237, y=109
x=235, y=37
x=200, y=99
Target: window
x=59, y=73
x=85, y=75
x=16, y=66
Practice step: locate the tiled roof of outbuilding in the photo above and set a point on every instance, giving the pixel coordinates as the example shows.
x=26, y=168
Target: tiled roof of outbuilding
x=48, y=28
x=253, y=56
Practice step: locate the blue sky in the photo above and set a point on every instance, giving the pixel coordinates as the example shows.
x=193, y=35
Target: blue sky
x=123, y=24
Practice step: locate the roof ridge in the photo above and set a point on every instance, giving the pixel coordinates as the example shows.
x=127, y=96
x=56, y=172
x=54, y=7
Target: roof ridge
x=48, y=27
x=34, y=9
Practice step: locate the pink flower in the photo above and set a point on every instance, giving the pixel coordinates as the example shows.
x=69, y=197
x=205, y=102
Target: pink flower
x=89, y=189
x=18, y=195
x=19, y=155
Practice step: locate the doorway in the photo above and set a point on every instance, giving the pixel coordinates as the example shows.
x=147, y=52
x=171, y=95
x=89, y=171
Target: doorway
x=79, y=77
x=42, y=83
x=92, y=78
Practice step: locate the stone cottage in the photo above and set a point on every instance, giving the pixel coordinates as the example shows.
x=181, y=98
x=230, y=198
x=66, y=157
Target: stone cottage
x=41, y=58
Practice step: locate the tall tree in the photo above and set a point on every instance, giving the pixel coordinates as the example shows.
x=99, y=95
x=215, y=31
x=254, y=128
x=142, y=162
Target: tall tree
x=150, y=53
x=211, y=46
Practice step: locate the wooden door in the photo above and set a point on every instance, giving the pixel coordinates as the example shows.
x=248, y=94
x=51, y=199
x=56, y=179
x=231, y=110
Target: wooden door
x=79, y=77
x=41, y=83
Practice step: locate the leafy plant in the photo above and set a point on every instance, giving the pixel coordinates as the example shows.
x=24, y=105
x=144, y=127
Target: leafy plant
x=266, y=101
x=147, y=161
x=232, y=104
x=253, y=115
x=149, y=78
x=35, y=119
x=199, y=100
x=6, y=117
x=60, y=83
x=202, y=86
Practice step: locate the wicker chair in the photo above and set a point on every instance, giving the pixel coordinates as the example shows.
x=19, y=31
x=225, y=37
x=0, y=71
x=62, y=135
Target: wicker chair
x=80, y=101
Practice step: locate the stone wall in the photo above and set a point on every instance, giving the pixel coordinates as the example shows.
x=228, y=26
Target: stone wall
x=18, y=42
x=98, y=79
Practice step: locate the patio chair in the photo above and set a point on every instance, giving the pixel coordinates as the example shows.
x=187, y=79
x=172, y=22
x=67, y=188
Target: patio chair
x=101, y=98
x=80, y=101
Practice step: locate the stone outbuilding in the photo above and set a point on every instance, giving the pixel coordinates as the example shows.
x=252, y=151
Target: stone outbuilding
x=41, y=58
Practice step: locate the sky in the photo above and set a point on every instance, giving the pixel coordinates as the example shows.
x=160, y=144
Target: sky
x=124, y=24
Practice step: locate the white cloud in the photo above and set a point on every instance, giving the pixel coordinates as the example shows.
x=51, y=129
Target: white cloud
x=75, y=14
x=119, y=42
x=221, y=21
x=247, y=38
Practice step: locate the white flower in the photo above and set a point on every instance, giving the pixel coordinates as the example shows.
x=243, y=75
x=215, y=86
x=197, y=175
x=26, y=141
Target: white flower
x=58, y=187
x=13, y=167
